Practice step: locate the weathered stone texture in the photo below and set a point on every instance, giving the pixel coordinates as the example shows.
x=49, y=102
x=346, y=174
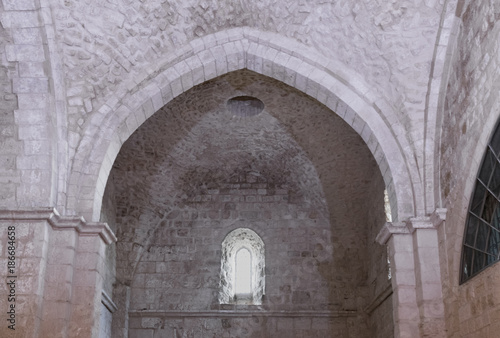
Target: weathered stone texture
x=194, y=172
x=31, y=242
x=108, y=215
x=105, y=45
x=10, y=146
x=255, y=326
x=297, y=173
x=379, y=304
x=470, y=114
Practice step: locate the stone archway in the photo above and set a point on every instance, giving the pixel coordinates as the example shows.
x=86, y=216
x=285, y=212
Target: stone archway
x=274, y=57
x=296, y=173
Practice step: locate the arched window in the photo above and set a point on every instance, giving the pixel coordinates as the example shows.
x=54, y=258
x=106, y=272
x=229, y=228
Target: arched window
x=482, y=231
x=242, y=268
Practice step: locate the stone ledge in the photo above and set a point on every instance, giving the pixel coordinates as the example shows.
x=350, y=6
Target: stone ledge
x=432, y=221
x=108, y=302
x=59, y=222
x=242, y=313
x=379, y=299
x=390, y=228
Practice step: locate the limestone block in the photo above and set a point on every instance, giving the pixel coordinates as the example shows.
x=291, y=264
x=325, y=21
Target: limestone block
x=21, y=5
x=21, y=19
x=32, y=101
x=24, y=53
x=27, y=36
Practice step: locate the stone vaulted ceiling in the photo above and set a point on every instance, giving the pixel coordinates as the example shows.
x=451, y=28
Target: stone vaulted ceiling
x=390, y=43
x=195, y=144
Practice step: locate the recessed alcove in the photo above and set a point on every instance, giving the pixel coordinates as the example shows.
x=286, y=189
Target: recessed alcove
x=194, y=186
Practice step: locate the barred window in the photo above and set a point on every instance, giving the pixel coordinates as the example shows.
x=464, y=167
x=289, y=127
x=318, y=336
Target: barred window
x=482, y=231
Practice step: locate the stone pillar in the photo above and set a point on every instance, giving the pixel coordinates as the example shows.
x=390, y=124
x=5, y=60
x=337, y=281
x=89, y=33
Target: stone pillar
x=398, y=238
x=416, y=275
x=58, y=273
x=24, y=242
x=88, y=278
x=119, y=325
x=428, y=273
x=58, y=283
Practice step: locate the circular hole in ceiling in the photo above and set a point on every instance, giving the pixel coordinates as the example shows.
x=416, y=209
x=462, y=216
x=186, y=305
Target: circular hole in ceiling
x=245, y=106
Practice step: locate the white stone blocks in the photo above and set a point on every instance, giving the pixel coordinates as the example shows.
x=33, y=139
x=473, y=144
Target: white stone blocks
x=186, y=78
x=27, y=36
x=32, y=101
x=209, y=67
x=20, y=19
x=33, y=162
x=30, y=85
x=19, y=5
x=279, y=65
x=25, y=53
x=196, y=67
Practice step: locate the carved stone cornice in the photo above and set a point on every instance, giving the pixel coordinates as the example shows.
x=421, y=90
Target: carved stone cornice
x=108, y=302
x=438, y=216
x=239, y=313
x=433, y=221
x=58, y=222
x=389, y=229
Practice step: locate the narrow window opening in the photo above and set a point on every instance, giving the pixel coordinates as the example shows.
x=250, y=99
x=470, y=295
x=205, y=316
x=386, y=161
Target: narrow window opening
x=242, y=274
x=389, y=272
x=243, y=278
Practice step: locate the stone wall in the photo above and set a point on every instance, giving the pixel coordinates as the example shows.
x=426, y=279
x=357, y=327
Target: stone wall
x=10, y=145
x=194, y=172
x=104, y=45
x=471, y=111
x=57, y=275
x=65, y=64
x=379, y=307
x=108, y=215
x=255, y=325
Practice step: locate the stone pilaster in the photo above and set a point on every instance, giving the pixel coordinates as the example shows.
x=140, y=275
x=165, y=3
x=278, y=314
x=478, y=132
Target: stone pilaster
x=121, y=294
x=428, y=273
x=59, y=269
x=416, y=275
x=398, y=238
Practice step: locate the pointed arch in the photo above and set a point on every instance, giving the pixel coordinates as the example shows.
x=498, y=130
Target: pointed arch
x=341, y=90
x=236, y=242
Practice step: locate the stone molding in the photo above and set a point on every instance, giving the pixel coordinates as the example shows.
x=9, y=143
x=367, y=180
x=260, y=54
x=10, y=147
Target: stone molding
x=242, y=313
x=433, y=221
x=438, y=216
x=58, y=222
x=108, y=302
x=379, y=299
x=389, y=229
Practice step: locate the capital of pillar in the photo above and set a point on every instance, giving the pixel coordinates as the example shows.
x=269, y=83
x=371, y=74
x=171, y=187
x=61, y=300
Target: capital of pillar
x=415, y=266
x=432, y=221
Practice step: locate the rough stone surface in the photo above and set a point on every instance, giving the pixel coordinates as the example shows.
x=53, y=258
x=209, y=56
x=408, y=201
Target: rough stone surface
x=10, y=145
x=417, y=80
x=470, y=114
x=223, y=172
x=106, y=44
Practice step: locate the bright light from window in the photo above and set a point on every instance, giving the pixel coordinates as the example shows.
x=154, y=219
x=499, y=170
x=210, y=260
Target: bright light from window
x=243, y=272
x=387, y=207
